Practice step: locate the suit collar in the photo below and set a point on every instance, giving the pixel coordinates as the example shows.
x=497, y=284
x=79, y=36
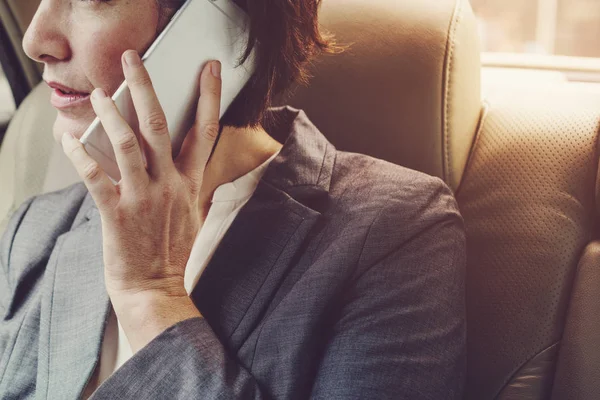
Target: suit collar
x=306, y=158
x=266, y=238
x=259, y=249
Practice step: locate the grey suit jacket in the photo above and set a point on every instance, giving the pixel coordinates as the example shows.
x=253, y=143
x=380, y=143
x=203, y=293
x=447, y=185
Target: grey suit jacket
x=341, y=278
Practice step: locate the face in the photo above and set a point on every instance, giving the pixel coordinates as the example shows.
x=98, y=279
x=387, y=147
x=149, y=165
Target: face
x=80, y=43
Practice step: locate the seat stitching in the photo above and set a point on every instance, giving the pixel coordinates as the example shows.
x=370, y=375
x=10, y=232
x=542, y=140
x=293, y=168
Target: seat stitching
x=450, y=44
x=485, y=111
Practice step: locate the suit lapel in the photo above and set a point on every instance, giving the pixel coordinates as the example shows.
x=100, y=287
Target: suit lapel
x=77, y=308
x=250, y=261
x=267, y=236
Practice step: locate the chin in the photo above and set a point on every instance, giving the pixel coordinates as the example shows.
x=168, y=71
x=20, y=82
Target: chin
x=76, y=126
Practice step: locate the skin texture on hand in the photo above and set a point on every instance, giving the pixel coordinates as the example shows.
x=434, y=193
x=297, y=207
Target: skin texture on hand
x=150, y=219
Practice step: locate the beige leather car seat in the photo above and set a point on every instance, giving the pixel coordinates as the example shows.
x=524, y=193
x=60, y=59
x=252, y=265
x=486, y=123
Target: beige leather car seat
x=525, y=176
x=523, y=166
x=529, y=201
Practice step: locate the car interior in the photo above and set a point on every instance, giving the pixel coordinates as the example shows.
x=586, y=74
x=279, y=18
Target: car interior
x=520, y=151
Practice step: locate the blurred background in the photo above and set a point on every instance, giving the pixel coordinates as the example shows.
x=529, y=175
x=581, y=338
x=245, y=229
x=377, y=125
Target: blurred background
x=7, y=104
x=551, y=27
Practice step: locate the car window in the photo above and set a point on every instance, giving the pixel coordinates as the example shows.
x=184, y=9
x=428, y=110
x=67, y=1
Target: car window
x=550, y=27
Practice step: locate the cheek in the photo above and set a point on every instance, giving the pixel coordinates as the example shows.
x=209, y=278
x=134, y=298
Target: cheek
x=102, y=63
x=103, y=51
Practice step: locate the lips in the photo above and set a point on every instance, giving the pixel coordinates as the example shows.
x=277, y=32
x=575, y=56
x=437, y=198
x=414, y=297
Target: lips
x=61, y=100
x=64, y=97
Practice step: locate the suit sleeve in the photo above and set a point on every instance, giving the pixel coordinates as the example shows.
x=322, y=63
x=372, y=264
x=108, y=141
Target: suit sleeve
x=193, y=365
x=400, y=332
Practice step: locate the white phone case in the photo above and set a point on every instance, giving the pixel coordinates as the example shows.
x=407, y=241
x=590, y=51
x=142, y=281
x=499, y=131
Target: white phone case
x=201, y=30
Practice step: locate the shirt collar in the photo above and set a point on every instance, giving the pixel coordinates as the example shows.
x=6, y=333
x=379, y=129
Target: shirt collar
x=243, y=187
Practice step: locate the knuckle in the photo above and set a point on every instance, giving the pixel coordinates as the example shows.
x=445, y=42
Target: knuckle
x=137, y=205
x=121, y=215
x=107, y=203
x=192, y=180
x=168, y=193
x=213, y=90
x=127, y=143
x=156, y=122
x=73, y=151
x=91, y=171
x=142, y=79
x=144, y=205
x=210, y=130
x=194, y=185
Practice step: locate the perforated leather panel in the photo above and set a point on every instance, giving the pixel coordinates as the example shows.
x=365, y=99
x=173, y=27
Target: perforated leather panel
x=528, y=203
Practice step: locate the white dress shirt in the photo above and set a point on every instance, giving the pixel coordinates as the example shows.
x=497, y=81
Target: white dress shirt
x=226, y=203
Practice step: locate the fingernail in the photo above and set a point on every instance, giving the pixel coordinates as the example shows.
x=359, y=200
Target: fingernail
x=215, y=69
x=132, y=58
x=99, y=93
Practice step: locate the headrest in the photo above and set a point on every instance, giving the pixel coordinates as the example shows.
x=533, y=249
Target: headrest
x=408, y=88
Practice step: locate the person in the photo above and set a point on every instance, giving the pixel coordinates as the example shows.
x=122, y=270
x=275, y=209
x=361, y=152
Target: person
x=260, y=263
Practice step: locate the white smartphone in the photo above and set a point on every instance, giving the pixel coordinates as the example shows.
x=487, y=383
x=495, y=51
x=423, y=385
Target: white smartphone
x=200, y=31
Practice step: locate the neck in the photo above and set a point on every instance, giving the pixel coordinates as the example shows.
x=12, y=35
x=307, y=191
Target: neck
x=238, y=151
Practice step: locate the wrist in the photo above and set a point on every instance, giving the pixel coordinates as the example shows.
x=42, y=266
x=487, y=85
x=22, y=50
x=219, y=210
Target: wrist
x=134, y=290
x=145, y=315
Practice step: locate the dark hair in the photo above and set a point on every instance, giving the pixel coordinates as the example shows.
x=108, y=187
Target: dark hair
x=286, y=37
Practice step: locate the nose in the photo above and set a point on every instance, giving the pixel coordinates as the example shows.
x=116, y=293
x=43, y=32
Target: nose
x=45, y=41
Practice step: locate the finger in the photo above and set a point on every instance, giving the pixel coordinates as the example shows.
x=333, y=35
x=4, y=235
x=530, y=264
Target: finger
x=125, y=143
x=98, y=183
x=200, y=140
x=151, y=117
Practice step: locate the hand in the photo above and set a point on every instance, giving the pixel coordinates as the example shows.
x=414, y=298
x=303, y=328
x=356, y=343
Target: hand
x=151, y=217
